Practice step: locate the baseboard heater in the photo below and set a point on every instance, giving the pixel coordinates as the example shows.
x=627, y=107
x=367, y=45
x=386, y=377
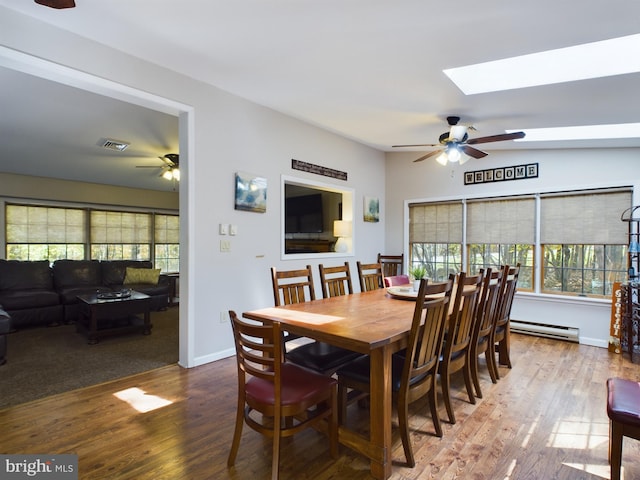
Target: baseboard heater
x=569, y=334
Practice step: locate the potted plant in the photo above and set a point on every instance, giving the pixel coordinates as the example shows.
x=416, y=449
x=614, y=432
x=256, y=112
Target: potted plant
x=417, y=272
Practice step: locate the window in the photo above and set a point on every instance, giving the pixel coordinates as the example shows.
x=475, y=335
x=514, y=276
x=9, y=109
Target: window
x=44, y=233
x=37, y=232
x=502, y=232
x=584, y=243
x=120, y=235
x=435, y=238
x=579, y=249
x=167, y=242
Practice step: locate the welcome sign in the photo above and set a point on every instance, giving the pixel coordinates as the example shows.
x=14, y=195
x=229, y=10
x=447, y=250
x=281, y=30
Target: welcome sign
x=503, y=174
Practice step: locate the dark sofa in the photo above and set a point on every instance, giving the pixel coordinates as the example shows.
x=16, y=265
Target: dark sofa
x=33, y=293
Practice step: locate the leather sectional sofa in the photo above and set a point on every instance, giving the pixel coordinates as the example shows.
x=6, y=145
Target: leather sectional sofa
x=35, y=293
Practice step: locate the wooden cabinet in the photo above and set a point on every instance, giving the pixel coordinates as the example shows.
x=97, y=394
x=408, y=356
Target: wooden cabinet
x=294, y=245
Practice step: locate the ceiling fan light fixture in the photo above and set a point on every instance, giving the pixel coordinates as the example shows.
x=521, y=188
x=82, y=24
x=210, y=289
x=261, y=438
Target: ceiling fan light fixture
x=442, y=159
x=168, y=174
x=176, y=174
x=453, y=154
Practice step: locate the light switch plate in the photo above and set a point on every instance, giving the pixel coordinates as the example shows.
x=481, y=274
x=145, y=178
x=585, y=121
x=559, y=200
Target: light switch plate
x=224, y=229
x=233, y=229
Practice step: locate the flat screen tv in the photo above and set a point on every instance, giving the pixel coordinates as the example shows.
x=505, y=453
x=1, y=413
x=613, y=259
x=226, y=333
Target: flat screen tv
x=304, y=214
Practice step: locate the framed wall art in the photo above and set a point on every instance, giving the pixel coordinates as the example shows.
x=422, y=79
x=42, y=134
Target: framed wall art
x=251, y=193
x=371, y=209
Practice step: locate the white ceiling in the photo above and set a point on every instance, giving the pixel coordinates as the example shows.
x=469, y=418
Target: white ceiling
x=370, y=70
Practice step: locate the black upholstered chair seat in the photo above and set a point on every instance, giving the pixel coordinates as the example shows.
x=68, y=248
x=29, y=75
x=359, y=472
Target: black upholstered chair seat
x=321, y=357
x=360, y=369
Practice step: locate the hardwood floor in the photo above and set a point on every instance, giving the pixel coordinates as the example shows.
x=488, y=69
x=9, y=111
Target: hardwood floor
x=545, y=419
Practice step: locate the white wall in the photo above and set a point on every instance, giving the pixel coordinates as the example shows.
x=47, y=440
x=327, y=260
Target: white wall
x=558, y=170
x=219, y=135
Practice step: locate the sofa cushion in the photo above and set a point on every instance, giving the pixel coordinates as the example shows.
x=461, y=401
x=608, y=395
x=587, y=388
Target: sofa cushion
x=76, y=273
x=20, y=275
x=141, y=276
x=113, y=272
x=25, y=299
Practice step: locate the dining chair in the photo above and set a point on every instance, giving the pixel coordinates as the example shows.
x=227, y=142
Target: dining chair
x=413, y=371
x=484, y=326
x=395, y=280
x=502, y=334
x=319, y=356
x=276, y=398
x=292, y=286
x=335, y=281
x=370, y=276
x=457, y=342
x=391, y=264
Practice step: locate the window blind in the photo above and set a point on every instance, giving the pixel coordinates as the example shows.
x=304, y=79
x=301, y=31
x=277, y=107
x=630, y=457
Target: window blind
x=120, y=227
x=32, y=224
x=167, y=228
x=501, y=221
x=435, y=223
x=584, y=218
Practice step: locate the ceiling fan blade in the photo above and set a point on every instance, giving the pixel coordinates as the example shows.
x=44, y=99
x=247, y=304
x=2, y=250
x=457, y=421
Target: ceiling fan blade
x=496, y=138
x=149, y=166
x=57, y=3
x=430, y=154
x=419, y=145
x=473, y=152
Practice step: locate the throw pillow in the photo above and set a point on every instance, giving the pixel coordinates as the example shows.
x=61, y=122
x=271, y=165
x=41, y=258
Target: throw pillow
x=141, y=276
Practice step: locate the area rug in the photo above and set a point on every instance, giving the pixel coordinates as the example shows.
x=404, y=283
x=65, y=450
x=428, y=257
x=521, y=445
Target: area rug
x=44, y=361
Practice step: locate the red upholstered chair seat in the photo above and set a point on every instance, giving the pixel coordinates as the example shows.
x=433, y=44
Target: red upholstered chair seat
x=299, y=385
x=396, y=280
x=623, y=409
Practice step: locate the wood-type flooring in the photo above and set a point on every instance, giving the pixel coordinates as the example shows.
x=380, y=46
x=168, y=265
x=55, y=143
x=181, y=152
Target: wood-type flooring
x=544, y=419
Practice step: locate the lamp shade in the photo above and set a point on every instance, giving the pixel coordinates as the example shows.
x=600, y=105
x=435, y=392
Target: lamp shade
x=341, y=228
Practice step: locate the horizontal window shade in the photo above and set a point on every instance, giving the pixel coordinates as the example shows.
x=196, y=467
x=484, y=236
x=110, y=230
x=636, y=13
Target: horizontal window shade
x=30, y=224
x=501, y=221
x=167, y=229
x=590, y=218
x=435, y=223
x=120, y=227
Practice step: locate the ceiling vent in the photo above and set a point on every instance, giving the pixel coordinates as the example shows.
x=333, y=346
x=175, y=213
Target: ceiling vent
x=113, y=144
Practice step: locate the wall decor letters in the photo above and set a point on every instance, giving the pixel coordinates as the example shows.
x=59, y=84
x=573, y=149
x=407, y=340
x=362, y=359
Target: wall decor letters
x=502, y=174
x=317, y=169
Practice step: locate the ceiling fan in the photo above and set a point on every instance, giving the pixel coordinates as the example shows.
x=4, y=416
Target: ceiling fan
x=171, y=167
x=57, y=3
x=457, y=144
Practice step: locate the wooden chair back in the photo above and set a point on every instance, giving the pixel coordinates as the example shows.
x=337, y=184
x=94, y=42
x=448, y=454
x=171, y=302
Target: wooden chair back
x=292, y=286
x=485, y=324
x=426, y=337
x=294, y=391
x=392, y=265
x=335, y=281
x=501, y=334
x=370, y=276
x=456, y=355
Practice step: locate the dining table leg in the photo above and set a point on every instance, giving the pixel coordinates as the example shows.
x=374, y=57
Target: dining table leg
x=380, y=412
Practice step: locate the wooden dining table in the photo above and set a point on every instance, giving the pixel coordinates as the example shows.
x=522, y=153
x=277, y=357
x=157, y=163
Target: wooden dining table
x=372, y=323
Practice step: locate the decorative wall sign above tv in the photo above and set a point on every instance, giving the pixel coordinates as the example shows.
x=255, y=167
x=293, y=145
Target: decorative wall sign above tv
x=317, y=169
x=251, y=192
x=503, y=174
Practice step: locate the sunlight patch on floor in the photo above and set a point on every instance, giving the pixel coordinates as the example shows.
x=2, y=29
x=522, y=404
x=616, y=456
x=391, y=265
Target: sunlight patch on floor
x=140, y=400
x=602, y=471
x=578, y=433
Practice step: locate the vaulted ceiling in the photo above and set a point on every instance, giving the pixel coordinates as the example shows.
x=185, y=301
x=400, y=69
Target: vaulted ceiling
x=370, y=70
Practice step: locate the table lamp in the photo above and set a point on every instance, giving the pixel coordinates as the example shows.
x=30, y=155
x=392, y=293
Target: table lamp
x=342, y=230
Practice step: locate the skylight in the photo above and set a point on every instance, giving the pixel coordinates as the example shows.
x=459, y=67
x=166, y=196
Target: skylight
x=616, y=56
x=584, y=132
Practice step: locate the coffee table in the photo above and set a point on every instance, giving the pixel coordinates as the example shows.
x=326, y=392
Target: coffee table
x=102, y=316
